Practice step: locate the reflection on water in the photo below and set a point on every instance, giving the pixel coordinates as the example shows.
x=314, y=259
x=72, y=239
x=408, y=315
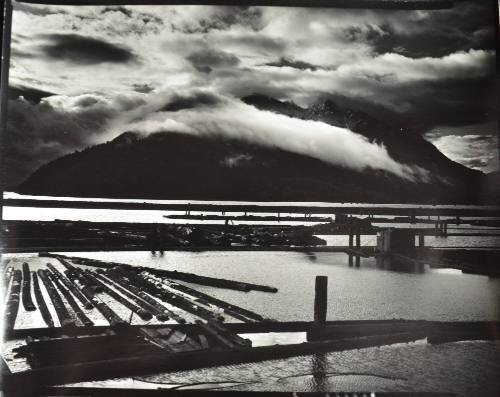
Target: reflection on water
x=464, y=368
x=319, y=369
x=397, y=264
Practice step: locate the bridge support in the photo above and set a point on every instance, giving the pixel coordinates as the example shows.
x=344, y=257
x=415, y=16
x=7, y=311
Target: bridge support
x=421, y=240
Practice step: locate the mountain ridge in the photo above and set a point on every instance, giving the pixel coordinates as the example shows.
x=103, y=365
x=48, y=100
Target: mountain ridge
x=180, y=166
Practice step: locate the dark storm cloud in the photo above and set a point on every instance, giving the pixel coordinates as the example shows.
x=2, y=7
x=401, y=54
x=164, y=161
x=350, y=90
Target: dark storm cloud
x=434, y=42
x=208, y=59
x=39, y=133
x=290, y=62
x=50, y=126
x=451, y=102
x=469, y=25
x=85, y=50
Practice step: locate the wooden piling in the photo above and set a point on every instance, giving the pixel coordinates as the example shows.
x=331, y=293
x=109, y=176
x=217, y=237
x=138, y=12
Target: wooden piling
x=351, y=240
x=320, y=299
x=358, y=239
x=421, y=240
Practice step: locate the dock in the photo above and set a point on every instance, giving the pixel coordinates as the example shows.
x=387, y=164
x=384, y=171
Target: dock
x=401, y=210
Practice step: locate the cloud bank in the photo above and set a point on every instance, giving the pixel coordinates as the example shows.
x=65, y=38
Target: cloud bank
x=230, y=118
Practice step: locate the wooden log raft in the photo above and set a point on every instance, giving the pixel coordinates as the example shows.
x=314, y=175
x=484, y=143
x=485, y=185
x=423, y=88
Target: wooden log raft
x=71, y=301
x=62, y=312
x=121, y=278
x=152, y=306
x=173, y=274
x=12, y=305
x=233, y=310
x=26, y=291
x=42, y=305
x=89, y=291
x=143, y=314
x=174, y=299
x=72, y=287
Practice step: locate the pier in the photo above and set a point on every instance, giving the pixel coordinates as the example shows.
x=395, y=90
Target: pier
x=371, y=210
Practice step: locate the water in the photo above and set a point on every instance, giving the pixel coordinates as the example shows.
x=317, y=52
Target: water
x=367, y=292
x=464, y=368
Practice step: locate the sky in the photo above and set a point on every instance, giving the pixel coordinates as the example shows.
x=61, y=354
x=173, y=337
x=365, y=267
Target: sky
x=83, y=75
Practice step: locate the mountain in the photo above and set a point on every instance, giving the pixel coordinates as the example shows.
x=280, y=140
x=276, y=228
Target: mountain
x=180, y=166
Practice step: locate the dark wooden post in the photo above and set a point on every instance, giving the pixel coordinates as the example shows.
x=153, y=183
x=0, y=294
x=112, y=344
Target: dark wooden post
x=421, y=240
x=350, y=260
x=358, y=260
x=351, y=239
x=320, y=300
x=358, y=239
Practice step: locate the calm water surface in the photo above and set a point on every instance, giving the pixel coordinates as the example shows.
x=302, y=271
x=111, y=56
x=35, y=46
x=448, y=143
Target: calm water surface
x=367, y=292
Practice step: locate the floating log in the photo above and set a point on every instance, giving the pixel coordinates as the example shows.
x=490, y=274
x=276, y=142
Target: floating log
x=121, y=277
x=173, y=274
x=62, y=312
x=71, y=301
x=12, y=306
x=143, y=314
x=233, y=310
x=7, y=276
x=67, y=351
x=171, y=298
x=235, y=338
x=158, y=311
x=71, y=286
x=216, y=334
x=89, y=291
x=42, y=306
x=171, y=340
x=26, y=291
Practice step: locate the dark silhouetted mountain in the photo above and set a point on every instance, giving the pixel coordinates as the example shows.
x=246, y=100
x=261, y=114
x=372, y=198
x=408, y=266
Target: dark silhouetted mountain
x=180, y=166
